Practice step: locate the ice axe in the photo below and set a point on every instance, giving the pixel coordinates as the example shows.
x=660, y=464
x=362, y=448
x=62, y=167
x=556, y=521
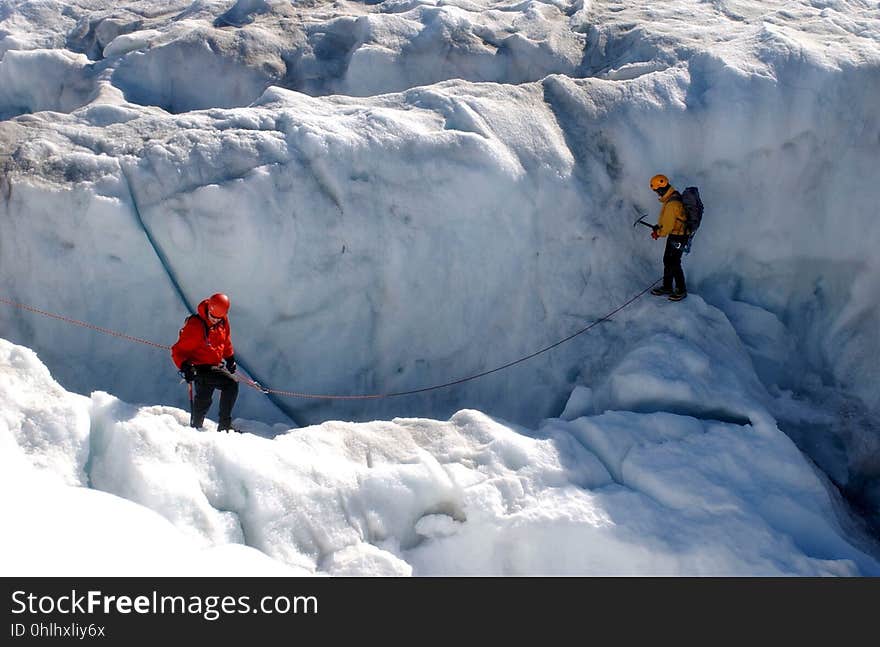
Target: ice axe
x=641, y=219
x=189, y=388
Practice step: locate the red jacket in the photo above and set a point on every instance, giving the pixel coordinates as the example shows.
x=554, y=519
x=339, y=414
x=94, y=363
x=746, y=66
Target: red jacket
x=202, y=343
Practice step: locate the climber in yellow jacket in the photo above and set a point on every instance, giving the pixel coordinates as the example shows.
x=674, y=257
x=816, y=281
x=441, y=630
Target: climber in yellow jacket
x=671, y=225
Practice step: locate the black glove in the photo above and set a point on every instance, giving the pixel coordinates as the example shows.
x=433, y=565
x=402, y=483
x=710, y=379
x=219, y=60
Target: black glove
x=230, y=364
x=188, y=371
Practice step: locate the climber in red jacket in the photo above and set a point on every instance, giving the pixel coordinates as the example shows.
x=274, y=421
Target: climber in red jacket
x=205, y=355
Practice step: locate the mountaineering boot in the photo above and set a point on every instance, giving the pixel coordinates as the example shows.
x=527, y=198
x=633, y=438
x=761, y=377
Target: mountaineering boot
x=678, y=295
x=661, y=291
x=226, y=425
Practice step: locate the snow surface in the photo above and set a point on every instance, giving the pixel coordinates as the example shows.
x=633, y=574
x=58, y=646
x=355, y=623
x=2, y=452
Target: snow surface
x=619, y=493
x=399, y=194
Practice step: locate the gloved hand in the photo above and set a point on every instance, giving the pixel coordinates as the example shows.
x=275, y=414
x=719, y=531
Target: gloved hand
x=230, y=364
x=655, y=235
x=188, y=371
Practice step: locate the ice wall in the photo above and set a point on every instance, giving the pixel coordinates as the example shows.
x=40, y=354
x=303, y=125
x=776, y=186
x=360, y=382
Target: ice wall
x=383, y=243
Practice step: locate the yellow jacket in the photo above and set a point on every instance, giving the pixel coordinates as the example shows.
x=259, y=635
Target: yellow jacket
x=672, y=218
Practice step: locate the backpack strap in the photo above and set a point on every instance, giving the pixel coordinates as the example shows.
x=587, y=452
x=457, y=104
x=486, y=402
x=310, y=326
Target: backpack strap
x=676, y=197
x=204, y=324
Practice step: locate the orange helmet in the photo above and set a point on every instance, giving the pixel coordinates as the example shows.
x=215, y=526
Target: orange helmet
x=218, y=305
x=659, y=182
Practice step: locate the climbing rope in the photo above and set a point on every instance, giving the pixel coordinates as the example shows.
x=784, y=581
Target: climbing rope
x=368, y=396
x=76, y=322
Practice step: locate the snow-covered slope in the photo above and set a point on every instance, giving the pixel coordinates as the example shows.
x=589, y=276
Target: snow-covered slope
x=619, y=493
x=58, y=522
x=401, y=193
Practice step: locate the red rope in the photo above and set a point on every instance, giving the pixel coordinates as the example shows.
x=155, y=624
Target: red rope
x=76, y=322
x=369, y=396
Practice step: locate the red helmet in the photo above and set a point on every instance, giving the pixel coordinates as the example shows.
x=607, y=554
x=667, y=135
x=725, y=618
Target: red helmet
x=218, y=305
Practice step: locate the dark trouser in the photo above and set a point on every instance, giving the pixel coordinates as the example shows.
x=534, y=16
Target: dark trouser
x=207, y=379
x=672, y=263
